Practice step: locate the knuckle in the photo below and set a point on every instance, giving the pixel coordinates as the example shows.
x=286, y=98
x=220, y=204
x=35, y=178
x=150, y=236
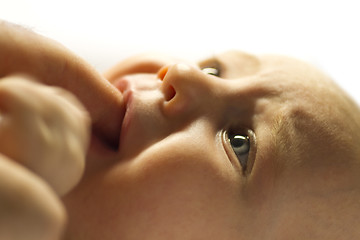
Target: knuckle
x=28, y=207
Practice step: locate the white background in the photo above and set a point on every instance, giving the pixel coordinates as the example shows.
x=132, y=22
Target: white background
x=326, y=33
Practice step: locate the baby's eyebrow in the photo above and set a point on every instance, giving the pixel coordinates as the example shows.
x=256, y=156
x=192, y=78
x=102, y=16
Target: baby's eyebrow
x=299, y=133
x=280, y=136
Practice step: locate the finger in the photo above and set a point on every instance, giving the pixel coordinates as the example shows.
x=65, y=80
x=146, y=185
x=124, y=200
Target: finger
x=45, y=129
x=27, y=52
x=29, y=209
x=145, y=63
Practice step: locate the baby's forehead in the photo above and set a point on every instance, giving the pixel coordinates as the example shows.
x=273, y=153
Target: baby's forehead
x=304, y=110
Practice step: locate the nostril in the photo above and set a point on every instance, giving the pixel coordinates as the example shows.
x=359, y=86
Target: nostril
x=162, y=72
x=168, y=90
x=169, y=93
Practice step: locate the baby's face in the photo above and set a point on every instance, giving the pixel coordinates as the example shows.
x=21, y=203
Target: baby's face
x=266, y=148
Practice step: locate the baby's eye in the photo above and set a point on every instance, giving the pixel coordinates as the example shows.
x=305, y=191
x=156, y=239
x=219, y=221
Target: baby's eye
x=211, y=71
x=240, y=144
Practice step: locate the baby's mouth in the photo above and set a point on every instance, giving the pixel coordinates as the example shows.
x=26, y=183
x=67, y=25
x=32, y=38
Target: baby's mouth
x=105, y=146
x=142, y=101
x=100, y=139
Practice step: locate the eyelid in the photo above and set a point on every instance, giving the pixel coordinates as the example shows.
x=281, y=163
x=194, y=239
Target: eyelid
x=232, y=156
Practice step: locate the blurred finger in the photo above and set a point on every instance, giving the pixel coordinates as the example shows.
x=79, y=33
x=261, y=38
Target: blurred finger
x=23, y=51
x=45, y=129
x=29, y=209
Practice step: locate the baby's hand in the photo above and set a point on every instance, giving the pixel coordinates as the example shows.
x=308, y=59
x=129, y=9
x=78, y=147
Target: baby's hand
x=23, y=51
x=45, y=129
x=44, y=133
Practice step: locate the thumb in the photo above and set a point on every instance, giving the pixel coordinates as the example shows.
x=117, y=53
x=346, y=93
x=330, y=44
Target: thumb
x=23, y=51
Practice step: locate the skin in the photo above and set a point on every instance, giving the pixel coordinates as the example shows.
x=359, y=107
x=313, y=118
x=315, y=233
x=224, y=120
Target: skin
x=173, y=176
x=50, y=63
x=45, y=129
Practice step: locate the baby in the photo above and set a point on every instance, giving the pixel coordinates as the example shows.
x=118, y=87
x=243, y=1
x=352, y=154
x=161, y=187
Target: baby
x=234, y=147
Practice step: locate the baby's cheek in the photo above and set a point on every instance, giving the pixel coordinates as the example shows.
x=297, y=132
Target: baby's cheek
x=181, y=175
x=163, y=191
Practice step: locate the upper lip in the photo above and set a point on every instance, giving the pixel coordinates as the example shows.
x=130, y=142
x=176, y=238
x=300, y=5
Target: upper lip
x=122, y=84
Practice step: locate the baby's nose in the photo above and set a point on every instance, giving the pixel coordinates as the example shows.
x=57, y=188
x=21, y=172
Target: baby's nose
x=144, y=63
x=187, y=88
